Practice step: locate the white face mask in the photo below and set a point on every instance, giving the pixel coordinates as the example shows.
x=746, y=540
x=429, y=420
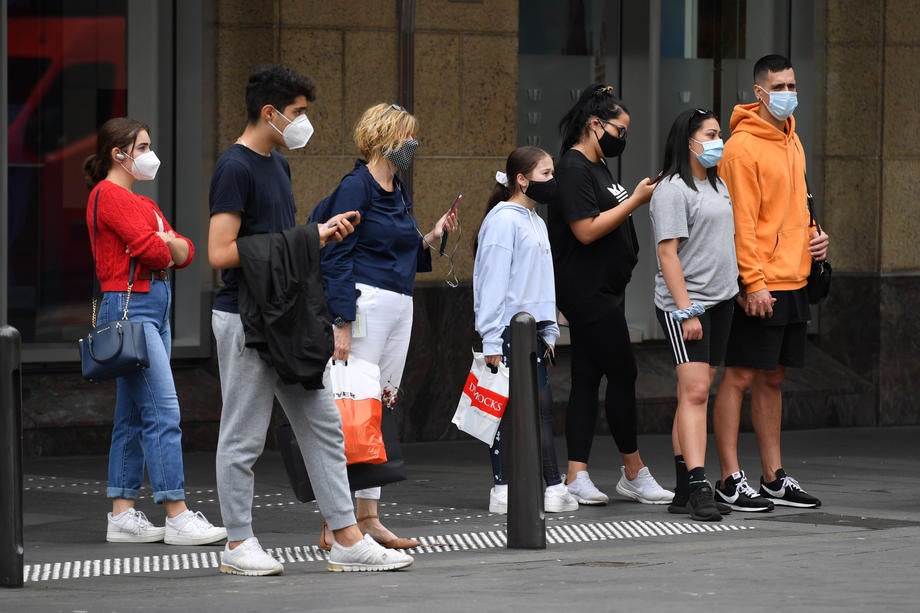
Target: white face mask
x=144, y=167
x=297, y=133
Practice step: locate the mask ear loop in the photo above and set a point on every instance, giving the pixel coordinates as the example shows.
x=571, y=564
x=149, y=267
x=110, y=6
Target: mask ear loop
x=452, y=279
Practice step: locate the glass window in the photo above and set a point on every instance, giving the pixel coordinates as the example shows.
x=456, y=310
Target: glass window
x=563, y=47
x=67, y=75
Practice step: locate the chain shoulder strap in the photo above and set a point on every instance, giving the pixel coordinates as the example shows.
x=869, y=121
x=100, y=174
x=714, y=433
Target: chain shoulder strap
x=124, y=315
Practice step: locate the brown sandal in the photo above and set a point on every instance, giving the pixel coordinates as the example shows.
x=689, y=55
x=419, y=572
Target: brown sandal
x=394, y=543
x=323, y=543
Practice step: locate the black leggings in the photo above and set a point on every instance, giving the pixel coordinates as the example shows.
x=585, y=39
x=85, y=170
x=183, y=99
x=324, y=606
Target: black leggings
x=601, y=348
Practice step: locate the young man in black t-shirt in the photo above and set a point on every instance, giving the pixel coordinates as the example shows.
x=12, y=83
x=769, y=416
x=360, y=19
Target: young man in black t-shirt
x=251, y=194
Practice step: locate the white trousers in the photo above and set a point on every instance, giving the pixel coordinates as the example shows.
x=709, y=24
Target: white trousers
x=385, y=326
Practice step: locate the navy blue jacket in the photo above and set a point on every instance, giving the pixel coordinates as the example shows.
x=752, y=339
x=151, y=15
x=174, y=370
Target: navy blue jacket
x=386, y=249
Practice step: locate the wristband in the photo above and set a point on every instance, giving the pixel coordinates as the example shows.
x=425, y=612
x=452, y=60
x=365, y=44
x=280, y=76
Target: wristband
x=694, y=310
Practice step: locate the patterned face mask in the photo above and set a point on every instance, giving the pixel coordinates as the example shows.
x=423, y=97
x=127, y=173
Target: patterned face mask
x=402, y=157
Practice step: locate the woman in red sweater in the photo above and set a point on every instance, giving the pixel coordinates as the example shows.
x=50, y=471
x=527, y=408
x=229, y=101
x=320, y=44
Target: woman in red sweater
x=123, y=225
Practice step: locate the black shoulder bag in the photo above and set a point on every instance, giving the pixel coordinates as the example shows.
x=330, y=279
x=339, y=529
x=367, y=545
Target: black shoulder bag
x=819, y=279
x=116, y=348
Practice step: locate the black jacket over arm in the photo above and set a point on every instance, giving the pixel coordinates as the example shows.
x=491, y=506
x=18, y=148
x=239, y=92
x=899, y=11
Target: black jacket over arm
x=282, y=303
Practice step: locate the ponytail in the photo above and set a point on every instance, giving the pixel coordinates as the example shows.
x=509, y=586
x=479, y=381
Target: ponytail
x=499, y=193
x=92, y=171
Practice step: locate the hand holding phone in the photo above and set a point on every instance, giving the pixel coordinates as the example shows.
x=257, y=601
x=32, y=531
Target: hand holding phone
x=444, y=233
x=657, y=178
x=350, y=219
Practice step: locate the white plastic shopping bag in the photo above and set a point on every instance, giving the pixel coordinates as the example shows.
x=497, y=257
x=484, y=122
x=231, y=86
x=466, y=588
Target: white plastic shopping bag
x=483, y=401
x=356, y=390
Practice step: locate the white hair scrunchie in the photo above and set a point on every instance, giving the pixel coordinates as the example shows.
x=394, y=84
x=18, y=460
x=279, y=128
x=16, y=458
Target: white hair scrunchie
x=501, y=178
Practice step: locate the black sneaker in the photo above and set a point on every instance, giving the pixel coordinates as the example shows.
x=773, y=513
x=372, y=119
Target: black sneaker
x=786, y=491
x=740, y=496
x=702, y=505
x=678, y=506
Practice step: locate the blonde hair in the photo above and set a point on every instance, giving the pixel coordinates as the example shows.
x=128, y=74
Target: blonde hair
x=383, y=127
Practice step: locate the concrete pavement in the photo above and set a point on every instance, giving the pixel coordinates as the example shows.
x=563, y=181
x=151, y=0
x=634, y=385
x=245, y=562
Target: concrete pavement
x=859, y=552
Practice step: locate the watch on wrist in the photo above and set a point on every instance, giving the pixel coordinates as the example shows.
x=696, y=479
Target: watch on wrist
x=338, y=322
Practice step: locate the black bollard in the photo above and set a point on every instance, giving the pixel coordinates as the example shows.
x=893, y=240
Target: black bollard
x=526, y=521
x=11, y=549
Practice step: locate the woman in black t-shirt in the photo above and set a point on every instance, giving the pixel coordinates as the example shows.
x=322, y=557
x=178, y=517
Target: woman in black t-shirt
x=594, y=251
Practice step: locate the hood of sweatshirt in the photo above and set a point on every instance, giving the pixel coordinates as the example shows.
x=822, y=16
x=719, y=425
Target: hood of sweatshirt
x=746, y=119
x=504, y=205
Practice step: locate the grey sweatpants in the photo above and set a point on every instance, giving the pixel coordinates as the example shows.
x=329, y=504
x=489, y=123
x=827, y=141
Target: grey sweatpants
x=248, y=388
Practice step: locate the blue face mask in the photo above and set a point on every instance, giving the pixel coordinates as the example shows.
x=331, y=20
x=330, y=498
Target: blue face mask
x=782, y=104
x=712, y=152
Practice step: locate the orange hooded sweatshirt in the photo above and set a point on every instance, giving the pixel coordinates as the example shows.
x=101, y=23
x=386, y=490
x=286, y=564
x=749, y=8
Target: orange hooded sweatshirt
x=764, y=169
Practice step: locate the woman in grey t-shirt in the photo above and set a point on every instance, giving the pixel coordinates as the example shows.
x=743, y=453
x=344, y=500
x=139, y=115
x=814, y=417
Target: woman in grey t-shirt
x=695, y=285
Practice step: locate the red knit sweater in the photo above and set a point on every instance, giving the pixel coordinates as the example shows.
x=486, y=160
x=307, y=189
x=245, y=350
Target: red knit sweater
x=128, y=221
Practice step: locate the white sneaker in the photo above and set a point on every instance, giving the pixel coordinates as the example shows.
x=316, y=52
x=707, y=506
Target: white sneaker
x=132, y=526
x=498, y=499
x=366, y=555
x=643, y=488
x=557, y=499
x=249, y=559
x=189, y=528
x=584, y=490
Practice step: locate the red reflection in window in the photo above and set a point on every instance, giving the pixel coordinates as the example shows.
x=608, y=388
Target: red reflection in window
x=67, y=77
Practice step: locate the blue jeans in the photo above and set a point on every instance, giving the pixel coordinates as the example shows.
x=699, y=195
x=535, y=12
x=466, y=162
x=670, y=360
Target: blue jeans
x=146, y=428
x=496, y=452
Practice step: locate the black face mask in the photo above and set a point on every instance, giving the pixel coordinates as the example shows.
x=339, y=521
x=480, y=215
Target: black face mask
x=611, y=146
x=542, y=191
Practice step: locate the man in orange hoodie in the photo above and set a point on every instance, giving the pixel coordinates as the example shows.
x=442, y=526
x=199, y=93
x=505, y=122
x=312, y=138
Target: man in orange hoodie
x=763, y=165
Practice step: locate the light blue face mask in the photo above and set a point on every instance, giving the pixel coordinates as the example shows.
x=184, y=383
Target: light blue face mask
x=712, y=152
x=782, y=104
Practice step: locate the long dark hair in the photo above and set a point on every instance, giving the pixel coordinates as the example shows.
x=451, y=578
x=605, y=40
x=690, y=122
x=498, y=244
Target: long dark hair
x=120, y=132
x=521, y=161
x=596, y=101
x=677, y=147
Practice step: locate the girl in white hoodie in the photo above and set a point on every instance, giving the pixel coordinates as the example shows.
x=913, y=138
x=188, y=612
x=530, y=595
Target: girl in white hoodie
x=513, y=272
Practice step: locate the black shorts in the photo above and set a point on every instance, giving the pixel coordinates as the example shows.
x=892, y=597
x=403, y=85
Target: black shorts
x=716, y=322
x=765, y=344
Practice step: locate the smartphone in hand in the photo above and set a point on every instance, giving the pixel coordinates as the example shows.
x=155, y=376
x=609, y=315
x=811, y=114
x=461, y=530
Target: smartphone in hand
x=453, y=209
x=657, y=178
x=351, y=218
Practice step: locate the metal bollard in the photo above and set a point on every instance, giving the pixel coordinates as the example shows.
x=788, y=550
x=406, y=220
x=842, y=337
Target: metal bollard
x=11, y=549
x=526, y=521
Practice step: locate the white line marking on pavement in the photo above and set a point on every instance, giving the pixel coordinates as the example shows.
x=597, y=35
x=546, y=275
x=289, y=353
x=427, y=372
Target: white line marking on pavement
x=461, y=541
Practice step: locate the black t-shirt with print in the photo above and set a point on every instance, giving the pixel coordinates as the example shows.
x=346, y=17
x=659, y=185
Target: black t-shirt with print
x=590, y=279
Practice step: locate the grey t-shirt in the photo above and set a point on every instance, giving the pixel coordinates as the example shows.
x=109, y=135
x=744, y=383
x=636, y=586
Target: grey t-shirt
x=704, y=223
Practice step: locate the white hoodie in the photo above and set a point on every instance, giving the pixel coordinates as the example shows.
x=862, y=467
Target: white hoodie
x=513, y=272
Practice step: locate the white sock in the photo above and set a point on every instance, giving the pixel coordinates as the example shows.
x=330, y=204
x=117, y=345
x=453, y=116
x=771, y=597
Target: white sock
x=173, y=520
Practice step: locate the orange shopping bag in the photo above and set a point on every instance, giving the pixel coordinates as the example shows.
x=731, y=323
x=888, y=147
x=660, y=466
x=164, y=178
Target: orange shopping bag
x=356, y=390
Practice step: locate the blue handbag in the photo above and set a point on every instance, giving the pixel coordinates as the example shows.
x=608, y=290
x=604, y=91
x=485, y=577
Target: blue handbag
x=115, y=348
